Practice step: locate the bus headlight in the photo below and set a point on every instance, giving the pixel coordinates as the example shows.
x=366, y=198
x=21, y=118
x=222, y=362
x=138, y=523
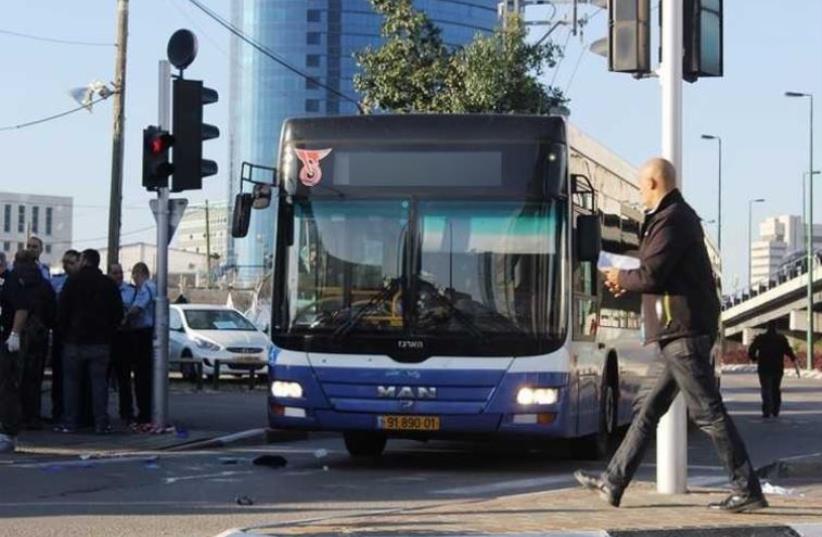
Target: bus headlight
x=291, y=390
x=537, y=396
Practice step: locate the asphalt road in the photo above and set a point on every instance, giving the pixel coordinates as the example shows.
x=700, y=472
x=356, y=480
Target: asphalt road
x=197, y=494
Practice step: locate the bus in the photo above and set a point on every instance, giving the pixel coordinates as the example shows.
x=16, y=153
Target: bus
x=435, y=276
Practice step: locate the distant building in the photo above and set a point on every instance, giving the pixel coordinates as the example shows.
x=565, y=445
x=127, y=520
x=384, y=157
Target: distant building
x=190, y=267
x=191, y=233
x=48, y=217
x=781, y=238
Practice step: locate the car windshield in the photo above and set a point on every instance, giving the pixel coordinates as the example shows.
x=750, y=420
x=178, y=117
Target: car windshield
x=217, y=320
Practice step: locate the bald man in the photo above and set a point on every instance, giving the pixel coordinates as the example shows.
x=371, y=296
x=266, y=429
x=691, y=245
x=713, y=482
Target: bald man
x=680, y=311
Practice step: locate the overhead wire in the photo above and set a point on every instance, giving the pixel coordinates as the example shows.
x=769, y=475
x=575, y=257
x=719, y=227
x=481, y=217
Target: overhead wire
x=56, y=40
x=55, y=116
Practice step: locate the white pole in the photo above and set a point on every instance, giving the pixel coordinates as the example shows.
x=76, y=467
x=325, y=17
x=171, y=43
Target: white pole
x=159, y=400
x=672, y=433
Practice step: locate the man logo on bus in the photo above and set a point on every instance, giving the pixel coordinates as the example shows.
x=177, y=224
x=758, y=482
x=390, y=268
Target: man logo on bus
x=311, y=173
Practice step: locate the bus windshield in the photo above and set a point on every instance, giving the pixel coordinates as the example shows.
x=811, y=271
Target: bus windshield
x=427, y=268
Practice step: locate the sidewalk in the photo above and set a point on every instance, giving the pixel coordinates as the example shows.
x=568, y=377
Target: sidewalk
x=564, y=512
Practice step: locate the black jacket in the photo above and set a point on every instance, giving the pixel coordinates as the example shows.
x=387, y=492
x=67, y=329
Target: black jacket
x=90, y=308
x=769, y=351
x=675, y=277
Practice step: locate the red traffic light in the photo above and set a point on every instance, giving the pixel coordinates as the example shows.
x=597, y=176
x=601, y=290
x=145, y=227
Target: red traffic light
x=160, y=144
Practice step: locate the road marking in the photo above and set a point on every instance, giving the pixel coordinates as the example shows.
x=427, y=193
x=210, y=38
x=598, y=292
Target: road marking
x=227, y=473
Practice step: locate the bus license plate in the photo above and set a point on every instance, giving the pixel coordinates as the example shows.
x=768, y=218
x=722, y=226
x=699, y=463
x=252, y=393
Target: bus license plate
x=409, y=423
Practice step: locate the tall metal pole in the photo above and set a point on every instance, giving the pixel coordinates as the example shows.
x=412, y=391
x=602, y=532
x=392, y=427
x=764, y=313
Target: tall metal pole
x=159, y=406
x=208, y=247
x=116, y=197
x=672, y=433
x=809, y=242
x=719, y=204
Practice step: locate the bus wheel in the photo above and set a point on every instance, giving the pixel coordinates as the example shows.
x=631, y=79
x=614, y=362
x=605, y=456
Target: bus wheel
x=602, y=444
x=363, y=444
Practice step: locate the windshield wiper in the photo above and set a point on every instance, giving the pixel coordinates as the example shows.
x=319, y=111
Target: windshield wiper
x=389, y=288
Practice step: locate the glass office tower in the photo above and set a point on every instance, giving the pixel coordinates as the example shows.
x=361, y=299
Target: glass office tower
x=319, y=37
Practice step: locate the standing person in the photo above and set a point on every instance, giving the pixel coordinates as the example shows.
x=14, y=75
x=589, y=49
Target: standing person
x=35, y=245
x=768, y=350
x=121, y=347
x=140, y=320
x=680, y=312
x=71, y=264
x=34, y=339
x=14, y=311
x=90, y=310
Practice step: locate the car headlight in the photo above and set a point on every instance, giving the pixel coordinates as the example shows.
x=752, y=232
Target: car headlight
x=291, y=390
x=206, y=344
x=537, y=396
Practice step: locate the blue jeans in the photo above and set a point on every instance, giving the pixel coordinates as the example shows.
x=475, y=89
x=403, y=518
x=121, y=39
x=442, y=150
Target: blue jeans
x=75, y=358
x=684, y=365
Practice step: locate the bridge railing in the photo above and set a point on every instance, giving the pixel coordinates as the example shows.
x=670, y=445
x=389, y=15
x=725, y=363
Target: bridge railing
x=785, y=274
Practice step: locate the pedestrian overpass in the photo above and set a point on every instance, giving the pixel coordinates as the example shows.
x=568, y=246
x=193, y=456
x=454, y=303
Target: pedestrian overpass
x=782, y=299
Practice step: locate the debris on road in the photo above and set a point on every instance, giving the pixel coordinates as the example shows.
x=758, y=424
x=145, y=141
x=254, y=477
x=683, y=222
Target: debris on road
x=767, y=488
x=244, y=500
x=272, y=461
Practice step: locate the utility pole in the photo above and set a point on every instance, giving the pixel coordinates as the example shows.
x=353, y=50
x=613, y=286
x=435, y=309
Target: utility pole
x=159, y=403
x=672, y=432
x=117, y=145
x=208, y=247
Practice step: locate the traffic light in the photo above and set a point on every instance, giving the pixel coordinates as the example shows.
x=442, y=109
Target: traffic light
x=629, y=36
x=190, y=167
x=156, y=167
x=702, y=35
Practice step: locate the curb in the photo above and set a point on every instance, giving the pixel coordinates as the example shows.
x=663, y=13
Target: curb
x=243, y=438
x=798, y=530
x=802, y=466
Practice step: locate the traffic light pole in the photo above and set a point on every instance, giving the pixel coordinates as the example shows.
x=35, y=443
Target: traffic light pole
x=159, y=403
x=672, y=432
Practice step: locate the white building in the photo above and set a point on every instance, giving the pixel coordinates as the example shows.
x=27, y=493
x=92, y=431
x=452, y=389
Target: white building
x=191, y=232
x=780, y=237
x=189, y=265
x=48, y=217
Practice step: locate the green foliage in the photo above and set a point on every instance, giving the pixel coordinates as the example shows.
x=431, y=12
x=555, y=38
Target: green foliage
x=414, y=71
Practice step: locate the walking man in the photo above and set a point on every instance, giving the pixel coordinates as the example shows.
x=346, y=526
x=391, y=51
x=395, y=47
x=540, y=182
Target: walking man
x=89, y=313
x=680, y=310
x=769, y=350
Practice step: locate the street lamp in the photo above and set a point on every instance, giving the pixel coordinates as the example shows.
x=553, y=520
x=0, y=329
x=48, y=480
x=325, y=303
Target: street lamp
x=809, y=232
x=719, y=194
x=750, y=268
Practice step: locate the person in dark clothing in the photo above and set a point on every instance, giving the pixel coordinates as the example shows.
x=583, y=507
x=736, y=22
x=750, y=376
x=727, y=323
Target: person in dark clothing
x=139, y=321
x=680, y=310
x=14, y=311
x=34, y=339
x=122, y=352
x=90, y=310
x=71, y=264
x=769, y=351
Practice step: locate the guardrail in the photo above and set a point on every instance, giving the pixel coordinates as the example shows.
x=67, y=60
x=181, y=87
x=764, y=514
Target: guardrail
x=215, y=377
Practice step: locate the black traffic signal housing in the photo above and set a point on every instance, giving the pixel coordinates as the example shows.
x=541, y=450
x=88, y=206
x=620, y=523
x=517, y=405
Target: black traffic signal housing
x=156, y=165
x=629, y=36
x=190, y=167
x=703, y=39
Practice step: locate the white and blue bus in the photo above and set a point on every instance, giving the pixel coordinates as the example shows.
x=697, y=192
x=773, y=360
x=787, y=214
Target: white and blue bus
x=435, y=276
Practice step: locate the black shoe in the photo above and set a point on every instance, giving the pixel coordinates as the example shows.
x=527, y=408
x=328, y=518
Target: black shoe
x=594, y=483
x=740, y=503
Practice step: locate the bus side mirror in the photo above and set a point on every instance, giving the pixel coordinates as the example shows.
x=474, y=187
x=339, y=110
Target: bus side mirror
x=589, y=237
x=241, y=218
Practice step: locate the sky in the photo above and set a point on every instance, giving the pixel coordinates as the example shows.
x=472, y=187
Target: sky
x=765, y=135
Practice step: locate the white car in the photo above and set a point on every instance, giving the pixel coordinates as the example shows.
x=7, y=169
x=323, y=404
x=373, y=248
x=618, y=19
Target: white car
x=210, y=333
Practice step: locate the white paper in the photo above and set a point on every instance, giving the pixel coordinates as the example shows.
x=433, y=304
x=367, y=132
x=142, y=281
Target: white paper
x=623, y=262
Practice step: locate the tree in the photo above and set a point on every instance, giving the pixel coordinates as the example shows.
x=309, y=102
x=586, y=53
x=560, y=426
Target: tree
x=413, y=71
